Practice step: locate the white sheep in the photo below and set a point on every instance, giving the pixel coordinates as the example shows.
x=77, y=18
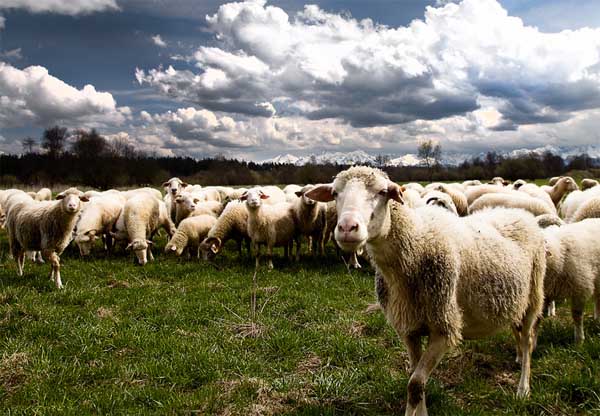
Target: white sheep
x=271, y=225
x=574, y=200
x=573, y=268
x=588, y=209
x=475, y=191
x=412, y=198
x=562, y=187
x=459, y=199
x=310, y=219
x=440, y=199
x=44, y=194
x=44, y=226
x=474, y=182
x=588, y=183
x=231, y=224
x=191, y=205
x=511, y=200
x=446, y=277
x=415, y=186
x=189, y=234
x=535, y=191
x=172, y=188
x=140, y=219
x=96, y=221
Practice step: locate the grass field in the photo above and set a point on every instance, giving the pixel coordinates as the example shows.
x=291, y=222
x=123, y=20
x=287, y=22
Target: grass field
x=168, y=338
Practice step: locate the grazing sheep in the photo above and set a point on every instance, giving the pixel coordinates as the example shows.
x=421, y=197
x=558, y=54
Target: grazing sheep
x=271, y=225
x=446, y=277
x=574, y=200
x=535, y=191
x=310, y=218
x=140, y=219
x=44, y=226
x=561, y=188
x=512, y=200
x=588, y=209
x=573, y=268
x=190, y=205
x=459, y=199
x=190, y=232
x=547, y=220
x=96, y=221
x=231, y=224
x=475, y=191
x=440, y=199
x=588, y=183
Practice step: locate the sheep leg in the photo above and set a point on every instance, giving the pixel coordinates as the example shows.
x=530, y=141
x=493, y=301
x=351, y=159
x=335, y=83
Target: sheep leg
x=577, y=314
x=551, y=309
x=55, y=263
x=256, y=248
x=150, y=256
x=517, y=333
x=298, y=248
x=527, y=331
x=20, y=257
x=436, y=348
x=413, y=345
x=270, y=257
x=39, y=259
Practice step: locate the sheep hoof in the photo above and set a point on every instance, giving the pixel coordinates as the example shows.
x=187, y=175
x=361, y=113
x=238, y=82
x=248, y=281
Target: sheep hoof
x=522, y=392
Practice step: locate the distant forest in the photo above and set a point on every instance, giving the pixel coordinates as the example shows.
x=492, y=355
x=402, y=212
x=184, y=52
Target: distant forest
x=85, y=158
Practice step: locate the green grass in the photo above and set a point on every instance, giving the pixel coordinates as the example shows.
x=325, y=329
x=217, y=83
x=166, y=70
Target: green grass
x=166, y=339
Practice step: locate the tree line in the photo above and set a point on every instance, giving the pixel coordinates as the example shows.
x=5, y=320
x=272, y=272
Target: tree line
x=86, y=158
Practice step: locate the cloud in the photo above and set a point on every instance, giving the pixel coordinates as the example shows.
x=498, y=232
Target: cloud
x=371, y=75
x=158, y=41
x=70, y=7
x=33, y=96
x=13, y=54
x=2, y=22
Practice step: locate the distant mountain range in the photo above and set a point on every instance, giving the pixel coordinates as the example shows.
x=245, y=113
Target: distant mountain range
x=360, y=157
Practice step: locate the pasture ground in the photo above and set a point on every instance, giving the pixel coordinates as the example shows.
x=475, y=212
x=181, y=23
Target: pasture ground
x=168, y=338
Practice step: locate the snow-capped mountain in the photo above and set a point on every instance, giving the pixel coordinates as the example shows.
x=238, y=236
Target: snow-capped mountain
x=360, y=157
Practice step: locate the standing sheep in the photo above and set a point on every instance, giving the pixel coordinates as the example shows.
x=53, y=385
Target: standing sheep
x=588, y=183
x=561, y=188
x=44, y=226
x=573, y=268
x=446, y=277
x=172, y=187
x=96, y=221
x=271, y=225
x=310, y=219
x=231, y=224
x=190, y=205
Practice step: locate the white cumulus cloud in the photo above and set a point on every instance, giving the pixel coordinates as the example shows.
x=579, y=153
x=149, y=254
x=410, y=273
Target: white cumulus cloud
x=68, y=7
x=158, y=41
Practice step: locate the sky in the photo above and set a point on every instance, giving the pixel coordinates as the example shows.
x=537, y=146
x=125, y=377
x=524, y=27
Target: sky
x=261, y=78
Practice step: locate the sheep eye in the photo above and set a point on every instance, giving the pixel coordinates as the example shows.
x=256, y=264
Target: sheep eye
x=334, y=193
x=383, y=192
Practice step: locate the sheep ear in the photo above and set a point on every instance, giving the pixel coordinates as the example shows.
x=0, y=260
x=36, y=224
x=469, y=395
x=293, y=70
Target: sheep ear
x=298, y=194
x=179, y=199
x=394, y=192
x=173, y=248
x=433, y=198
x=165, y=184
x=84, y=198
x=129, y=246
x=321, y=193
x=150, y=243
x=263, y=196
x=60, y=196
x=244, y=196
x=196, y=200
x=184, y=184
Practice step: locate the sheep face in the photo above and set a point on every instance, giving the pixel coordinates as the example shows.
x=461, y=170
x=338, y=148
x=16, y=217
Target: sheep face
x=85, y=242
x=361, y=195
x=254, y=197
x=70, y=201
x=569, y=184
x=187, y=203
x=174, y=186
x=210, y=247
x=302, y=194
x=140, y=247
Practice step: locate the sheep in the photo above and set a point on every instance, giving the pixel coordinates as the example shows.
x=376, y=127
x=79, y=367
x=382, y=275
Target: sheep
x=446, y=277
x=97, y=220
x=518, y=183
x=44, y=226
x=140, y=219
x=573, y=268
x=547, y=220
x=561, y=188
x=310, y=219
x=475, y=191
x=498, y=181
x=231, y=224
x=271, y=225
x=512, y=200
x=291, y=189
x=440, y=199
x=574, y=200
x=474, y=182
x=190, y=205
x=44, y=194
x=535, y=191
x=553, y=180
x=150, y=191
x=459, y=199
x=172, y=188
x=588, y=183
x=415, y=186
x=190, y=232
x=14, y=197
x=588, y=209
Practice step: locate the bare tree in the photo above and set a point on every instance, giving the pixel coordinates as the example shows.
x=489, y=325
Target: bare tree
x=28, y=144
x=53, y=141
x=430, y=153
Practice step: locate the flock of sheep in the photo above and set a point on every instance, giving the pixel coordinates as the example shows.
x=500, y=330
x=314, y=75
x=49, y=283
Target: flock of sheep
x=453, y=261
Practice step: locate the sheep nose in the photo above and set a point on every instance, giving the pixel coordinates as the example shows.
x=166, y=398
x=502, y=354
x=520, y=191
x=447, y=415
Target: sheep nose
x=347, y=224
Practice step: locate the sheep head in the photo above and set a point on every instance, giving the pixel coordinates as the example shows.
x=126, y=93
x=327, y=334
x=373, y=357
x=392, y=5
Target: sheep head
x=85, y=241
x=140, y=247
x=71, y=199
x=302, y=194
x=361, y=195
x=210, y=247
x=254, y=197
x=174, y=186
